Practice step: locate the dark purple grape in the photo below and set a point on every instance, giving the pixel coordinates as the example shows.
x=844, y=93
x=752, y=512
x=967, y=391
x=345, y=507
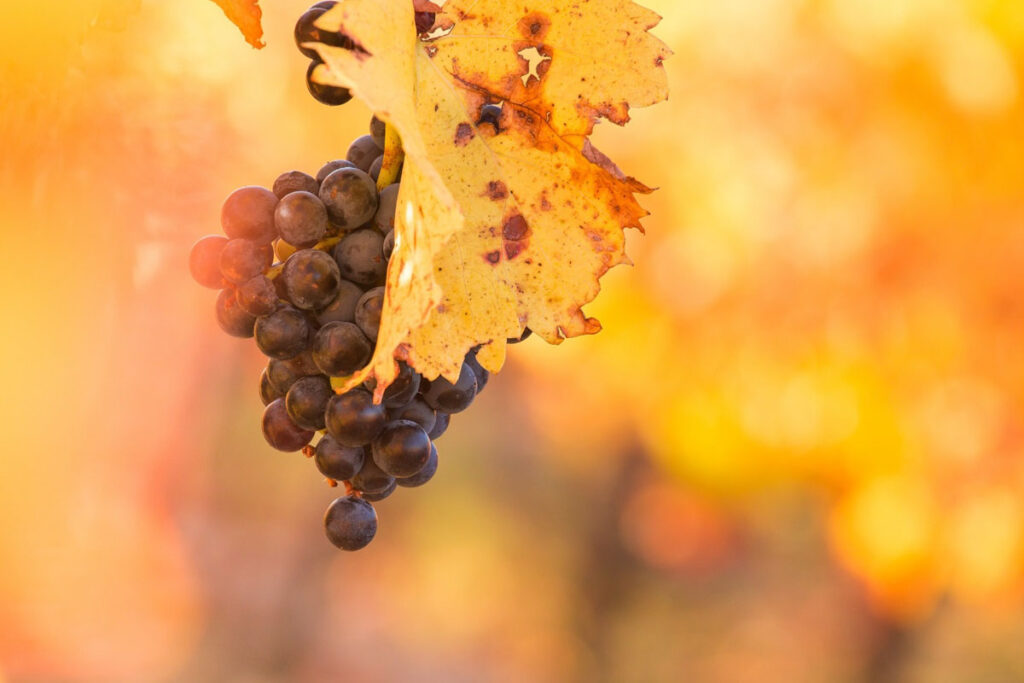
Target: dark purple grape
x=371, y=478
x=376, y=497
x=204, y=261
x=338, y=462
x=307, y=400
x=350, y=523
x=241, y=260
x=330, y=167
x=424, y=475
x=301, y=219
x=417, y=411
x=306, y=31
x=268, y=394
x=360, y=257
x=350, y=196
x=282, y=334
x=377, y=131
x=523, y=337
x=279, y=430
x=248, y=213
x=284, y=373
x=401, y=449
x=402, y=389
x=490, y=114
x=424, y=21
x=389, y=244
x=479, y=372
x=342, y=308
x=258, y=296
x=353, y=419
x=445, y=397
x=375, y=168
x=231, y=317
x=363, y=151
x=368, y=312
x=440, y=425
x=311, y=278
x=384, y=219
x=340, y=349
x=331, y=95
x=295, y=181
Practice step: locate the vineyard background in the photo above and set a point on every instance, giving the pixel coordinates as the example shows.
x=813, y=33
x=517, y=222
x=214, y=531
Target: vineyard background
x=794, y=454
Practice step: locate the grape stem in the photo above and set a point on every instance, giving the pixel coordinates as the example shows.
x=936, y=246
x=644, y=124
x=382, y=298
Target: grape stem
x=393, y=157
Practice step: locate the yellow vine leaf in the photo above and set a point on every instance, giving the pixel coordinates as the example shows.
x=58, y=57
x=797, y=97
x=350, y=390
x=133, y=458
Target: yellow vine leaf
x=506, y=218
x=247, y=16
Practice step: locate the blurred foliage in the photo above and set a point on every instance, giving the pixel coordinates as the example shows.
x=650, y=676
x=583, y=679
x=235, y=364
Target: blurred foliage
x=794, y=453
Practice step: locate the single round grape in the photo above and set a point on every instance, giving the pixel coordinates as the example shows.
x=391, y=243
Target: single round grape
x=377, y=130
x=342, y=308
x=307, y=400
x=241, y=260
x=284, y=373
x=282, y=334
x=424, y=475
x=340, y=349
x=417, y=411
x=306, y=31
x=440, y=425
x=479, y=372
x=523, y=337
x=401, y=449
x=330, y=167
x=384, y=219
x=268, y=394
x=389, y=244
x=376, y=167
x=295, y=181
x=353, y=419
x=360, y=257
x=331, y=95
x=311, y=278
x=338, y=462
x=231, y=317
x=350, y=196
x=443, y=396
x=375, y=497
x=204, y=261
x=248, y=213
x=280, y=431
x=350, y=523
x=368, y=312
x=258, y=296
x=301, y=218
x=371, y=478
x=363, y=151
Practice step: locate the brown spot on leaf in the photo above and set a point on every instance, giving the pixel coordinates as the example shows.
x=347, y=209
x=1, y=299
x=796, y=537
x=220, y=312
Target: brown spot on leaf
x=515, y=228
x=545, y=205
x=493, y=257
x=463, y=134
x=513, y=249
x=535, y=25
x=497, y=190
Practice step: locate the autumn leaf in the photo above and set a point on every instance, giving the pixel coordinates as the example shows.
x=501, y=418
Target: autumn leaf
x=246, y=15
x=507, y=215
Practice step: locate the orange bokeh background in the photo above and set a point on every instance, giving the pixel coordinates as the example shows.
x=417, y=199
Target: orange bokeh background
x=793, y=454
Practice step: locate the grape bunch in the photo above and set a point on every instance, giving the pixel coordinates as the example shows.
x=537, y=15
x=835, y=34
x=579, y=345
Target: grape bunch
x=307, y=32
x=301, y=269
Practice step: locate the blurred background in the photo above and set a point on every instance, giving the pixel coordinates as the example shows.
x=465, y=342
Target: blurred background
x=794, y=454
